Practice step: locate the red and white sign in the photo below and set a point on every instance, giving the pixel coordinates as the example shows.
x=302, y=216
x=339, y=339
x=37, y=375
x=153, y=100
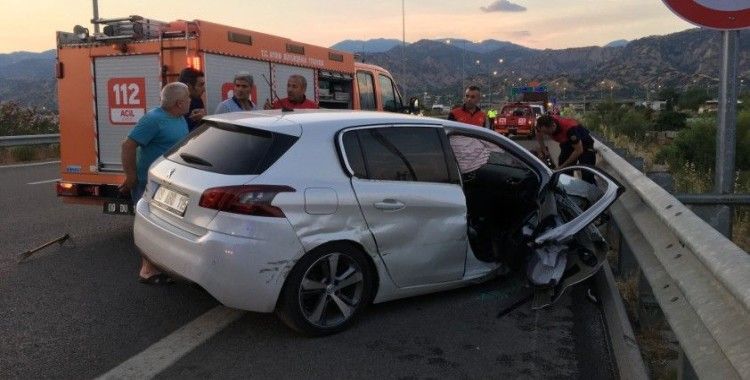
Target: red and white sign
x=714, y=14
x=127, y=100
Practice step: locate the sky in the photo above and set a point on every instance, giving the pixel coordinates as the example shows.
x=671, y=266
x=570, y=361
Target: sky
x=30, y=25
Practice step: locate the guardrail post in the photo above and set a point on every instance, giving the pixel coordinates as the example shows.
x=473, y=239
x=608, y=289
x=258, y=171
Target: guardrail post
x=685, y=371
x=663, y=179
x=719, y=217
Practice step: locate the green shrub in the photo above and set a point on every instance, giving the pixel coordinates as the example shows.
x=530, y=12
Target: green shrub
x=670, y=121
x=696, y=145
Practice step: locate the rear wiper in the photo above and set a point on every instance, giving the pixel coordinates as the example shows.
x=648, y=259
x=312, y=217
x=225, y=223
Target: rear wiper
x=191, y=159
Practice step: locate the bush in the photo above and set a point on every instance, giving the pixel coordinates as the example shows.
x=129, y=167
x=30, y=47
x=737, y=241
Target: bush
x=18, y=120
x=670, y=121
x=696, y=145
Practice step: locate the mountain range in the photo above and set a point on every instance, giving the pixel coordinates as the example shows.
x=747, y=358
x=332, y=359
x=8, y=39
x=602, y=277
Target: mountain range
x=624, y=69
x=634, y=69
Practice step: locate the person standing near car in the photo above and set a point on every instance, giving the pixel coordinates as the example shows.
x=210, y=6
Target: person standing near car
x=156, y=132
x=576, y=144
x=240, y=100
x=469, y=112
x=196, y=82
x=296, y=86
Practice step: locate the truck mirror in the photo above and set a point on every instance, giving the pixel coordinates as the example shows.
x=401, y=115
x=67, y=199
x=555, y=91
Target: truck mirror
x=414, y=105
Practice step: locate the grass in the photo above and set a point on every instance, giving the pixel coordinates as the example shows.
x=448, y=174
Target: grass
x=27, y=153
x=658, y=353
x=689, y=179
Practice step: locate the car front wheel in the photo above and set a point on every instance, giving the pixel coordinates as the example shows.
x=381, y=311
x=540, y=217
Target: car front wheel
x=326, y=290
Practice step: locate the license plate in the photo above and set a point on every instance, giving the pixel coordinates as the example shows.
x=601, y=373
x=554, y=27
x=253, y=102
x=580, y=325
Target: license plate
x=118, y=207
x=170, y=200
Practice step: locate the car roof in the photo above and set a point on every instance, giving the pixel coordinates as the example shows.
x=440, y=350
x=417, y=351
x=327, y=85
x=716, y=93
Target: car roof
x=292, y=122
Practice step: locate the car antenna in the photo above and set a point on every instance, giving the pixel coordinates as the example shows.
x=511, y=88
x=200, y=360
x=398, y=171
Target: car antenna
x=273, y=94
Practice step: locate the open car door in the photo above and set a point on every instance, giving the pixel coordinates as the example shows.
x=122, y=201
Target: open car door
x=566, y=247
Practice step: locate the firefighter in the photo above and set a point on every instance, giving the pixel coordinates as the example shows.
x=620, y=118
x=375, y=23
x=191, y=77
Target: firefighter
x=491, y=115
x=576, y=144
x=296, y=86
x=469, y=112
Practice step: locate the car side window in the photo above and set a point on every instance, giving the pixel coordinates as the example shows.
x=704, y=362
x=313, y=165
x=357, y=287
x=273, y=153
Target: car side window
x=472, y=153
x=401, y=154
x=353, y=153
x=366, y=91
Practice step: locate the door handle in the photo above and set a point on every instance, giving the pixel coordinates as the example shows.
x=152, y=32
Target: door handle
x=389, y=205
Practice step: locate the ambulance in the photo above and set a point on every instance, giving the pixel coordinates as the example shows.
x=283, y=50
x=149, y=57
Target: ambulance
x=108, y=80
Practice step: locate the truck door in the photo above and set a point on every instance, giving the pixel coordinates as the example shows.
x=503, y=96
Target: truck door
x=220, y=72
x=126, y=88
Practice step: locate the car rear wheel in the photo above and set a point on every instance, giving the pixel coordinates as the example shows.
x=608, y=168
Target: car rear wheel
x=326, y=290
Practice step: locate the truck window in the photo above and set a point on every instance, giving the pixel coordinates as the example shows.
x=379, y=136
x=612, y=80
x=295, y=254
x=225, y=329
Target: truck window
x=366, y=91
x=388, y=94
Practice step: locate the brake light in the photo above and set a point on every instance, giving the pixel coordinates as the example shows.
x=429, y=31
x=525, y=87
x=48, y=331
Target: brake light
x=245, y=199
x=69, y=189
x=66, y=189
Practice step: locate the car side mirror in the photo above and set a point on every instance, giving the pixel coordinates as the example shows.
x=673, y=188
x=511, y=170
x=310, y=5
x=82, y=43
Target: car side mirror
x=413, y=106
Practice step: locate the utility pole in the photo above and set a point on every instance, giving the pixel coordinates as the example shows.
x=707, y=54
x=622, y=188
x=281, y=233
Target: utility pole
x=403, y=40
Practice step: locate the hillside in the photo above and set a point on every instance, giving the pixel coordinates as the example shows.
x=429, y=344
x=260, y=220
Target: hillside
x=681, y=60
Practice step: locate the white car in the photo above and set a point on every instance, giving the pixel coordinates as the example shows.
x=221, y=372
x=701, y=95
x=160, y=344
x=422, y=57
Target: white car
x=315, y=214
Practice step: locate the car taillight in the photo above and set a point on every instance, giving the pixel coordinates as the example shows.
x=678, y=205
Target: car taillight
x=245, y=199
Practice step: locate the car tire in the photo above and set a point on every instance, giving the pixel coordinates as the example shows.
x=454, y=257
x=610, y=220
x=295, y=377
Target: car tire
x=316, y=304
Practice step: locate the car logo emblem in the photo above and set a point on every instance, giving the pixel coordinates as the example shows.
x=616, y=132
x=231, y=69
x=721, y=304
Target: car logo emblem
x=170, y=173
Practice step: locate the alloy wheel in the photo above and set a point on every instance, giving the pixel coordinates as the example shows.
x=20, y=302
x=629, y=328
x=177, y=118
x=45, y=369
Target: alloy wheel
x=331, y=290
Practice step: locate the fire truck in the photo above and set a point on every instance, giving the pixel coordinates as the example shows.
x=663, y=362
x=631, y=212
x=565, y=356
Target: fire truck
x=107, y=81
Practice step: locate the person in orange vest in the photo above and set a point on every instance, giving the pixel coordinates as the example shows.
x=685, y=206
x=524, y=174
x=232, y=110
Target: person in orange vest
x=576, y=144
x=469, y=112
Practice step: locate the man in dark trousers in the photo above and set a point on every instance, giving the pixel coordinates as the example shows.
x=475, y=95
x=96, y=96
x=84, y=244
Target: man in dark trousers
x=196, y=82
x=576, y=144
x=469, y=112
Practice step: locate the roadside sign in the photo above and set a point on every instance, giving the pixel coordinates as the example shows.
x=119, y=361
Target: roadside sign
x=714, y=14
x=126, y=100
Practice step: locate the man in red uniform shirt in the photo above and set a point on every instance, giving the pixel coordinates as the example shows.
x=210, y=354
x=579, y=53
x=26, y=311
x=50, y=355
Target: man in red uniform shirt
x=576, y=144
x=295, y=89
x=469, y=112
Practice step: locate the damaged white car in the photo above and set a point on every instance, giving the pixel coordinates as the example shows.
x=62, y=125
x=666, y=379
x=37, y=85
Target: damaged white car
x=316, y=214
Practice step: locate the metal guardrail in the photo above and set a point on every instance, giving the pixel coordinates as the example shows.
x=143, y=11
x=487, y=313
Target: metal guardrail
x=700, y=279
x=29, y=140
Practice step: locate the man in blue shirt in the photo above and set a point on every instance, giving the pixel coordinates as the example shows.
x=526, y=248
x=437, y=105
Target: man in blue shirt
x=157, y=131
x=240, y=101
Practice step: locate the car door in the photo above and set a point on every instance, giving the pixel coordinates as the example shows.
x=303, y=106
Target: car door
x=410, y=195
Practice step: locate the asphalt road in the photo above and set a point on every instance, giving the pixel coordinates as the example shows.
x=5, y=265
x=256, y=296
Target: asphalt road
x=76, y=311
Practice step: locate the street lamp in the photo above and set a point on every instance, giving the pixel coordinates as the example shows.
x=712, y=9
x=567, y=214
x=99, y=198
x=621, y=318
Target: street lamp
x=494, y=74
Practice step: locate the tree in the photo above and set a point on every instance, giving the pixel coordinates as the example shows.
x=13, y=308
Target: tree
x=670, y=121
x=692, y=99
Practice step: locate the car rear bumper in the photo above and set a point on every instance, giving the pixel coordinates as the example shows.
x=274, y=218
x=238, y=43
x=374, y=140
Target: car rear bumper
x=513, y=131
x=241, y=272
